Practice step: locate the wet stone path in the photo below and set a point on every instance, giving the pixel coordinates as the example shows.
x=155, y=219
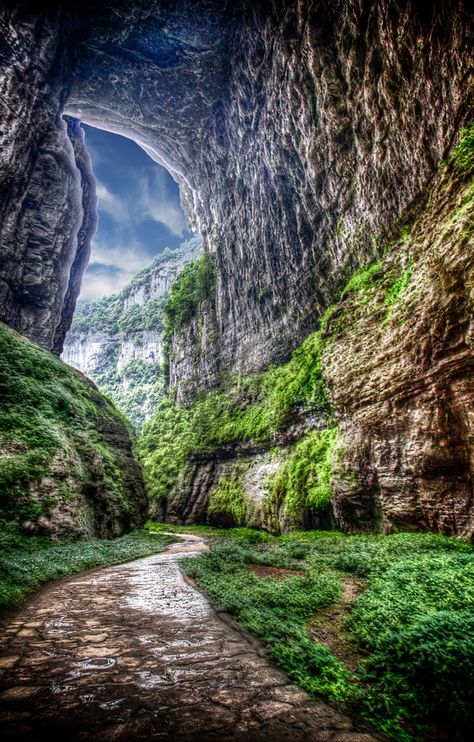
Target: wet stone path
x=134, y=652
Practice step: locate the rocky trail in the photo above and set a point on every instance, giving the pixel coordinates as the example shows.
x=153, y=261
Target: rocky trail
x=136, y=652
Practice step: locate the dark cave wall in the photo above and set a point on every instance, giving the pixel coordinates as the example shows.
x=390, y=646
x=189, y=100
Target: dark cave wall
x=303, y=136
x=301, y=133
x=42, y=211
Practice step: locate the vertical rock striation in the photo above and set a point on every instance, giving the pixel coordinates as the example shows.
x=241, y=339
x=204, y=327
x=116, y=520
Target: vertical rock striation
x=41, y=204
x=304, y=137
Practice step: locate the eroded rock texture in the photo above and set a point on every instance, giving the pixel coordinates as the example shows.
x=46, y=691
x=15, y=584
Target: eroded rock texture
x=402, y=379
x=303, y=136
x=47, y=198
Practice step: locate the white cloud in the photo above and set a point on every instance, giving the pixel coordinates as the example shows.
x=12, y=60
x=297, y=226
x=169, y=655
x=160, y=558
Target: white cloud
x=130, y=259
x=97, y=285
x=113, y=204
x=157, y=204
x=110, y=268
x=150, y=201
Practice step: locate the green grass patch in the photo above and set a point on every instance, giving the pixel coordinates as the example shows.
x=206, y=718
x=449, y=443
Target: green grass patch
x=28, y=562
x=412, y=624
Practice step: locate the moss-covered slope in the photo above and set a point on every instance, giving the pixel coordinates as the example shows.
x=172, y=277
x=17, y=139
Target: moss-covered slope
x=66, y=464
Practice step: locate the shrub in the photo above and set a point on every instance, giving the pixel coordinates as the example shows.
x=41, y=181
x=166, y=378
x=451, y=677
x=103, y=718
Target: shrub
x=304, y=480
x=427, y=670
x=228, y=502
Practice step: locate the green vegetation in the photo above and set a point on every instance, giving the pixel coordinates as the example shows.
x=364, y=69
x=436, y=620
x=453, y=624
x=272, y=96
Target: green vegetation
x=304, y=480
x=396, y=289
x=411, y=627
x=50, y=413
x=141, y=317
x=27, y=562
x=137, y=388
x=109, y=314
x=363, y=279
x=195, y=283
x=245, y=408
x=462, y=155
x=228, y=500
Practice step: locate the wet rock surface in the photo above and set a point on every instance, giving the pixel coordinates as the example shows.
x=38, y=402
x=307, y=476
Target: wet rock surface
x=136, y=652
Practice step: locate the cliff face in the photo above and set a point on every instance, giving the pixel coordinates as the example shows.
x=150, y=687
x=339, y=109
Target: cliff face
x=395, y=355
x=118, y=341
x=304, y=137
x=47, y=194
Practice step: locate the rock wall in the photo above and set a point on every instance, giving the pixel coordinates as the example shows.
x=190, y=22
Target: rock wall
x=304, y=136
x=337, y=117
x=398, y=364
x=402, y=377
x=47, y=202
x=299, y=132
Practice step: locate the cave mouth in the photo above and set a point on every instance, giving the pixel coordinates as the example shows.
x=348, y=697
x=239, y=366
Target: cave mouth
x=116, y=337
x=139, y=212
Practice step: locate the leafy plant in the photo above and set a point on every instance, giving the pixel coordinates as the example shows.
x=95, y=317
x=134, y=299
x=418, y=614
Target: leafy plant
x=228, y=502
x=304, y=480
x=411, y=626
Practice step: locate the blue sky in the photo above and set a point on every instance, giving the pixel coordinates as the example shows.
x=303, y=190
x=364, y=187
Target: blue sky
x=139, y=212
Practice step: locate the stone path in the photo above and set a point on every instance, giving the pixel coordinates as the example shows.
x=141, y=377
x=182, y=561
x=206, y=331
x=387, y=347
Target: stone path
x=134, y=652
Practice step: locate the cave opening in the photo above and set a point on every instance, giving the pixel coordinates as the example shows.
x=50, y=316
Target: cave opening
x=139, y=209
x=140, y=245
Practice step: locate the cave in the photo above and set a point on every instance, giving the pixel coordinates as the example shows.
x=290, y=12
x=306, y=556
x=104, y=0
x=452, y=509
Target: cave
x=306, y=140
x=301, y=402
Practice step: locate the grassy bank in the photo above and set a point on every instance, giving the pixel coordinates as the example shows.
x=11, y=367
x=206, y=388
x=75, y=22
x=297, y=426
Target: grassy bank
x=28, y=562
x=408, y=621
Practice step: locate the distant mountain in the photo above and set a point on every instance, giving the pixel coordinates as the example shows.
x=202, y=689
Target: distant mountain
x=117, y=341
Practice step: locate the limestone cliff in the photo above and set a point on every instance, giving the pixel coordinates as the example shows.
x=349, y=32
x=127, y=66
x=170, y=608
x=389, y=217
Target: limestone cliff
x=395, y=354
x=118, y=341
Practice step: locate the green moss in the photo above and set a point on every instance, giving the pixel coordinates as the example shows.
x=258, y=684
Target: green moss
x=48, y=412
x=396, y=289
x=228, y=500
x=363, y=279
x=462, y=155
x=304, y=480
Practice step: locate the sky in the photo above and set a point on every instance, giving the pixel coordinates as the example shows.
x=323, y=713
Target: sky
x=139, y=213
